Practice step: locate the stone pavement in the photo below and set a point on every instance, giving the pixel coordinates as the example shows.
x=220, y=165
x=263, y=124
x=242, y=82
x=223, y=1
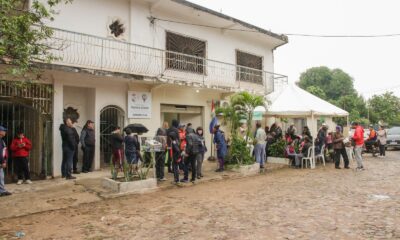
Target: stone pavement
x=52, y=194
x=324, y=203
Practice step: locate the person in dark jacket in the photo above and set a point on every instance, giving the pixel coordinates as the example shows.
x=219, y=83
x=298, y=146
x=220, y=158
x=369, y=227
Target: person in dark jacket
x=306, y=132
x=132, y=150
x=20, y=147
x=88, y=141
x=192, y=152
x=69, y=145
x=222, y=150
x=3, y=161
x=75, y=161
x=321, y=137
x=117, y=148
x=203, y=150
x=174, y=148
x=161, y=137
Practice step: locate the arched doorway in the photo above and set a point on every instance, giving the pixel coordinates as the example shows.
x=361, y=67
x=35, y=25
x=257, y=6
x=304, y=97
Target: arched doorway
x=110, y=116
x=16, y=116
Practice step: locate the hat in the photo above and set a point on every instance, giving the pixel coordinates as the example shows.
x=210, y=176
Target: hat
x=324, y=125
x=182, y=126
x=3, y=129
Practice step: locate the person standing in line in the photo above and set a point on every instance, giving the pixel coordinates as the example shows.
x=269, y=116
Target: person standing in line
x=382, y=138
x=259, y=150
x=339, y=148
x=192, y=152
x=117, y=148
x=182, y=140
x=75, y=161
x=20, y=147
x=69, y=145
x=220, y=144
x=132, y=150
x=321, y=137
x=88, y=141
x=173, y=142
x=359, y=143
x=3, y=161
x=203, y=150
x=161, y=136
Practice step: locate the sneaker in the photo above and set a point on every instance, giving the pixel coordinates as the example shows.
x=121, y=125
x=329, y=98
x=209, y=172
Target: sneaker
x=219, y=170
x=70, y=178
x=184, y=181
x=19, y=182
x=28, y=181
x=162, y=179
x=5, y=194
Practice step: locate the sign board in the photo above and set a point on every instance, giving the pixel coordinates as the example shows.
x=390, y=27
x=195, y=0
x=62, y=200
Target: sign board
x=139, y=104
x=257, y=116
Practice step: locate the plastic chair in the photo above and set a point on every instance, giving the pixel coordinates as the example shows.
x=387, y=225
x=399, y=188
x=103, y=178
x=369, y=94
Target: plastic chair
x=321, y=155
x=308, y=158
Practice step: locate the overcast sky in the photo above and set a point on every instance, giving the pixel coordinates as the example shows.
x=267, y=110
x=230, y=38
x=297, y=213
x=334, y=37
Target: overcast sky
x=372, y=62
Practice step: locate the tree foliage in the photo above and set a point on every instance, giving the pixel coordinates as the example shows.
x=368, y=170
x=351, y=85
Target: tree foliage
x=22, y=36
x=385, y=107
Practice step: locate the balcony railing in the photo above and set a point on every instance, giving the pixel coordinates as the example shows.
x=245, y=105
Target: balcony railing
x=92, y=52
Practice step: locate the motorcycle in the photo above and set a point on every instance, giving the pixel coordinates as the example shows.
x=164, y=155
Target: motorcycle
x=372, y=147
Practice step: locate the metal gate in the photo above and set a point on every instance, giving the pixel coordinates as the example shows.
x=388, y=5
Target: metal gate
x=28, y=109
x=110, y=117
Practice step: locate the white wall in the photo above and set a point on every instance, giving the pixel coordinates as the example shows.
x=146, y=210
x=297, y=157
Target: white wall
x=92, y=94
x=92, y=17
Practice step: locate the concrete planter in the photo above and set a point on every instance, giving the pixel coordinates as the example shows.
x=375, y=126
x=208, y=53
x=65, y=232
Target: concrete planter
x=248, y=170
x=278, y=160
x=140, y=186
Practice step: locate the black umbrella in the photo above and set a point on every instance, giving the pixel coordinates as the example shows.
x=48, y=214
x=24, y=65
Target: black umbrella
x=137, y=128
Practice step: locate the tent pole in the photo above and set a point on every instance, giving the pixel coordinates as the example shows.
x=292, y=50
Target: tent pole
x=313, y=143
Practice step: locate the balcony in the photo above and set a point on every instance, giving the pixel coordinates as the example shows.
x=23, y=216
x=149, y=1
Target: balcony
x=91, y=52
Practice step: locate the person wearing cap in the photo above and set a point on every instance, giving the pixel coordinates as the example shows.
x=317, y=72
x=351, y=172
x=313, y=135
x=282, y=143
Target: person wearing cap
x=372, y=137
x=20, y=147
x=220, y=144
x=339, y=148
x=3, y=161
x=359, y=143
x=88, y=141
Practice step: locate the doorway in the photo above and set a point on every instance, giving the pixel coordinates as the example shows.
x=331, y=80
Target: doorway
x=110, y=117
x=184, y=114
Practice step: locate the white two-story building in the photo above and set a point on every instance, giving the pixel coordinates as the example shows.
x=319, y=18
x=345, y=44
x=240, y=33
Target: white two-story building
x=145, y=61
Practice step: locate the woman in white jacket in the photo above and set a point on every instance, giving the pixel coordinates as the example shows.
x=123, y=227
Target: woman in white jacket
x=382, y=138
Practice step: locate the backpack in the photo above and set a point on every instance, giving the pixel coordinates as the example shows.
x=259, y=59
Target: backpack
x=194, y=144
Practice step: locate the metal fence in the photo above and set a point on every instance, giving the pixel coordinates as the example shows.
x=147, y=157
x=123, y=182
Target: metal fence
x=87, y=51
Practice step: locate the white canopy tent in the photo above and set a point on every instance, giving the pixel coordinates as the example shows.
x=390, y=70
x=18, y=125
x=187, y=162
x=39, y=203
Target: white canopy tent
x=292, y=102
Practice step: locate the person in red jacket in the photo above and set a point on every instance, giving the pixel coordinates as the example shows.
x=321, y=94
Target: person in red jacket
x=20, y=147
x=359, y=142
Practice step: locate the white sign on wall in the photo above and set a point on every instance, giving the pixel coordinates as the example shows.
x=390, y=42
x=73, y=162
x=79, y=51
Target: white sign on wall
x=139, y=104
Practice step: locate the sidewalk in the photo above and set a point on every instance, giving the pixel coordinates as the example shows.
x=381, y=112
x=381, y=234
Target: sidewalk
x=48, y=195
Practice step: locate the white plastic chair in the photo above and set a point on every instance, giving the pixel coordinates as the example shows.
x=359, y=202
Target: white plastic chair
x=321, y=155
x=308, y=158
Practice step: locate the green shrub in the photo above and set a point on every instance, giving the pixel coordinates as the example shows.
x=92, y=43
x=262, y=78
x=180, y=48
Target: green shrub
x=238, y=153
x=277, y=149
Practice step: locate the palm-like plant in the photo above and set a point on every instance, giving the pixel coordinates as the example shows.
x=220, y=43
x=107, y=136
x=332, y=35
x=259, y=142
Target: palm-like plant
x=244, y=104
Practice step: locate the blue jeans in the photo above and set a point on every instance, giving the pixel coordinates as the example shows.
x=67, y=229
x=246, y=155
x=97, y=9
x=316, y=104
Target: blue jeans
x=67, y=163
x=2, y=189
x=259, y=152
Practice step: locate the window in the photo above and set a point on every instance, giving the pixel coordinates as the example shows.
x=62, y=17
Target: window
x=249, y=68
x=180, y=50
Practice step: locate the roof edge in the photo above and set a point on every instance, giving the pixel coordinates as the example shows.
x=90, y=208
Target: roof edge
x=281, y=37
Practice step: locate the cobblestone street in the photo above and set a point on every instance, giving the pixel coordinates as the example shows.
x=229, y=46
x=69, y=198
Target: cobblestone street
x=285, y=204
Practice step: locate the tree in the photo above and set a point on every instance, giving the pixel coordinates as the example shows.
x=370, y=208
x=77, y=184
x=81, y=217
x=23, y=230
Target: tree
x=334, y=83
x=244, y=104
x=22, y=37
x=385, y=107
x=336, y=87
x=317, y=91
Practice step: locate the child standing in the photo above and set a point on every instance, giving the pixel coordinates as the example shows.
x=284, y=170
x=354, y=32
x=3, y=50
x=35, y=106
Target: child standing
x=20, y=147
